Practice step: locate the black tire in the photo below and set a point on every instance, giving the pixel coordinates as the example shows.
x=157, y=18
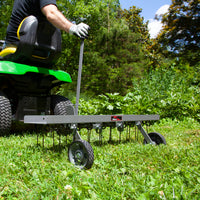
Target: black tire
x=61, y=105
x=81, y=154
x=5, y=115
x=157, y=138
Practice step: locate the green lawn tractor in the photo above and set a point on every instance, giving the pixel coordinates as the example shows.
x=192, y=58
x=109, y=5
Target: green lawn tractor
x=27, y=77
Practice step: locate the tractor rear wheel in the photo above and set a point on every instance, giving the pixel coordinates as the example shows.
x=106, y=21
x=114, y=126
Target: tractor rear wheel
x=5, y=114
x=61, y=105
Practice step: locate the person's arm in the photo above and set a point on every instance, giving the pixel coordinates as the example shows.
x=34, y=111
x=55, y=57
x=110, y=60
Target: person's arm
x=54, y=16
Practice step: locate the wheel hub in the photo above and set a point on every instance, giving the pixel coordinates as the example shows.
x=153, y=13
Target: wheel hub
x=78, y=155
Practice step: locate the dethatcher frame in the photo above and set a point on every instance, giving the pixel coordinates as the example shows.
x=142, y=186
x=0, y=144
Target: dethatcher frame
x=80, y=152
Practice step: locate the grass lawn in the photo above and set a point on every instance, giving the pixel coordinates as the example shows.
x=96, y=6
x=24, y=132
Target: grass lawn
x=129, y=170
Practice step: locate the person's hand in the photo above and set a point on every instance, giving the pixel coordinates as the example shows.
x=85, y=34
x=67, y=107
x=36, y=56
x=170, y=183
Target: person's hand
x=80, y=30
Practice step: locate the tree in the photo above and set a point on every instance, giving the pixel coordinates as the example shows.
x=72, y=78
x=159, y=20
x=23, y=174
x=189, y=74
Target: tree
x=181, y=33
x=117, y=59
x=95, y=13
x=118, y=54
x=5, y=10
x=136, y=24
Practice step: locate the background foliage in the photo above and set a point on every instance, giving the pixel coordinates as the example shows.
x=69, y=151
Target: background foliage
x=181, y=34
x=125, y=71
x=167, y=92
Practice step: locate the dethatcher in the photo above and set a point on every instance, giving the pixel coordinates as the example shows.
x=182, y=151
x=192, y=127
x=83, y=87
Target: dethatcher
x=26, y=83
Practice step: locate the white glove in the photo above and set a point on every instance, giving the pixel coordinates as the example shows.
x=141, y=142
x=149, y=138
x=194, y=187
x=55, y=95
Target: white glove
x=80, y=30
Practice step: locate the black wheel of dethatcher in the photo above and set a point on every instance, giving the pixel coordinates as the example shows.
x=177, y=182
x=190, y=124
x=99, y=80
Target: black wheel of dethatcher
x=81, y=154
x=5, y=114
x=61, y=105
x=157, y=138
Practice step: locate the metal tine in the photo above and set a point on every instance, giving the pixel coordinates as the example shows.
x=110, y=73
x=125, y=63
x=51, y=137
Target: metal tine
x=37, y=139
x=43, y=140
x=100, y=137
x=136, y=134
x=59, y=140
x=128, y=133
x=120, y=128
x=110, y=135
x=99, y=128
x=120, y=135
x=89, y=134
x=148, y=126
x=53, y=134
x=37, y=132
x=99, y=131
x=66, y=139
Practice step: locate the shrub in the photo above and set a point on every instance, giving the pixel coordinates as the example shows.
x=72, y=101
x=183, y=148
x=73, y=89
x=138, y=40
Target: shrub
x=166, y=92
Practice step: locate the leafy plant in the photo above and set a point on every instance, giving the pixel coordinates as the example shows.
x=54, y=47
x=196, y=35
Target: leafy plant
x=166, y=92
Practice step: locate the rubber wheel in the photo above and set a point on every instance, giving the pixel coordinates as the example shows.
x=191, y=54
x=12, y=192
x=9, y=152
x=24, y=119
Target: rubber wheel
x=81, y=154
x=5, y=115
x=61, y=105
x=157, y=138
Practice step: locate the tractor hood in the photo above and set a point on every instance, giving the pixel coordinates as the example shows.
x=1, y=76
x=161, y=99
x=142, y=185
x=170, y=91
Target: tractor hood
x=8, y=67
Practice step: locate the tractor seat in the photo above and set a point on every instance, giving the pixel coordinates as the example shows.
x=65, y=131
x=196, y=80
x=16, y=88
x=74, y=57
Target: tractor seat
x=39, y=44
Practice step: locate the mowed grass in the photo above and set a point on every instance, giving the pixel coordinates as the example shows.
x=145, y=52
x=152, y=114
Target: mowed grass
x=126, y=170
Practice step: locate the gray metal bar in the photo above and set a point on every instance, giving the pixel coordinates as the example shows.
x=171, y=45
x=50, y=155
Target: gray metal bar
x=79, y=76
x=144, y=133
x=76, y=135
x=83, y=119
